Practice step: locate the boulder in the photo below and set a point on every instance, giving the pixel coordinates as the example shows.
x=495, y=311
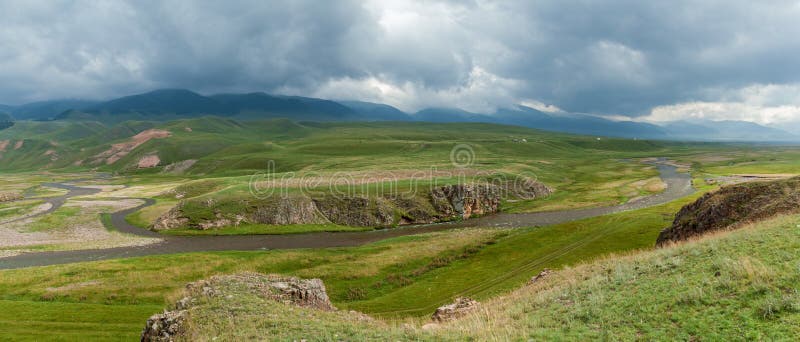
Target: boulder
x=460, y=307
x=164, y=327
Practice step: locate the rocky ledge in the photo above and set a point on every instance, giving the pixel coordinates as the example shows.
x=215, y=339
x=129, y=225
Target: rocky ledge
x=460, y=201
x=309, y=293
x=459, y=308
x=731, y=206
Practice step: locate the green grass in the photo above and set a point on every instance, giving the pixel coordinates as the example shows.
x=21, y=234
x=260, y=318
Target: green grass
x=585, y=172
x=105, y=219
x=405, y=276
x=60, y=321
x=16, y=208
x=741, y=285
x=55, y=220
x=254, y=229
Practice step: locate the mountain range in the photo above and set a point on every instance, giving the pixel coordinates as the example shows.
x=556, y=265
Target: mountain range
x=171, y=104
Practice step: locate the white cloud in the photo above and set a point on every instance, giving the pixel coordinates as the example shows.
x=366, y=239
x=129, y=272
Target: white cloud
x=481, y=92
x=767, y=104
x=540, y=106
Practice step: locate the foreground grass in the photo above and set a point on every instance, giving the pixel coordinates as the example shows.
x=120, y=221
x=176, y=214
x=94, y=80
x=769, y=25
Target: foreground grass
x=400, y=277
x=733, y=286
x=62, y=321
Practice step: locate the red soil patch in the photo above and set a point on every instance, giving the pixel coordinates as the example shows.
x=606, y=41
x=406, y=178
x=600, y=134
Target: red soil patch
x=118, y=151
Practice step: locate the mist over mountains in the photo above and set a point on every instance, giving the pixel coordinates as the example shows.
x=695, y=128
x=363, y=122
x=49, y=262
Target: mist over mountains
x=171, y=104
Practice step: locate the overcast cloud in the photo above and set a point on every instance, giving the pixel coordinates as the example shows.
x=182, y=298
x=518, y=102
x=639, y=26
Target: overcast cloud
x=648, y=60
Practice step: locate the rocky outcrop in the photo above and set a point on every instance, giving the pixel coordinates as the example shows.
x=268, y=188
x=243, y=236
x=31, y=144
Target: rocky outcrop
x=287, y=210
x=171, y=219
x=9, y=196
x=731, y=206
x=526, y=188
x=308, y=293
x=164, y=327
x=465, y=201
x=357, y=211
x=443, y=203
x=460, y=307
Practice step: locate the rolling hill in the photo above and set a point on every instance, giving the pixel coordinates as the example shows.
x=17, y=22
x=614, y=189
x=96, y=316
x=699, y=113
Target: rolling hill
x=173, y=104
x=45, y=110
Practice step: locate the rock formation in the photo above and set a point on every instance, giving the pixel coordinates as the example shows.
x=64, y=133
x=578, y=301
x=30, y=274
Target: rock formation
x=441, y=204
x=465, y=201
x=460, y=307
x=732, y=205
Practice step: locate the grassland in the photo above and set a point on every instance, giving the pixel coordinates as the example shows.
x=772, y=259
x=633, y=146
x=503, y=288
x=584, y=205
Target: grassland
x=732, y=286
x=401, y=277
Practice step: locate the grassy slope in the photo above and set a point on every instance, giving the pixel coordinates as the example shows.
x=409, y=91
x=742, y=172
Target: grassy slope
x=734, y=286
x=405, y=276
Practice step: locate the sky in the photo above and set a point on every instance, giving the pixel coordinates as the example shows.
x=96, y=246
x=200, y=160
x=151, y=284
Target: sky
x=629, y=60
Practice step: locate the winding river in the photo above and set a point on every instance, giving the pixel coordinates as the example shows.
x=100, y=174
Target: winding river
x=678, y=185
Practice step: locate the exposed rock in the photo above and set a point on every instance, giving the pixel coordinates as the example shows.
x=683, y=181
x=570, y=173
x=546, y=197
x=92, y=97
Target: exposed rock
x=164, y=327
x=19, y=144
x=149, y=161
x=732, y=205
x=4, y=145
x=356, y=211
x=287, y=210
x=171, y=219
x=544, y=273
x=467, y=200
x=442, y=204
x=526, y=188
x=308, y=293
x=9, y=196
x=278, y=211
x=180, y=167
x=460, y=307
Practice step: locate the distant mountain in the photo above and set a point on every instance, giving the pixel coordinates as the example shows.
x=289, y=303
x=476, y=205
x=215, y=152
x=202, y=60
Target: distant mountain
x=529, y=117
x=450, y=115
x=726, y=131
x=174, y=104
x=164, y=101
x=376, y=111
x=45, y=110
x=261, y=105
x=5, y=108
x=171, y=104
x=6, y=120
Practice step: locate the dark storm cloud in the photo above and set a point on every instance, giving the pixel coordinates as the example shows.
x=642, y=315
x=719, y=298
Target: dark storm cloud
x=612, y=57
